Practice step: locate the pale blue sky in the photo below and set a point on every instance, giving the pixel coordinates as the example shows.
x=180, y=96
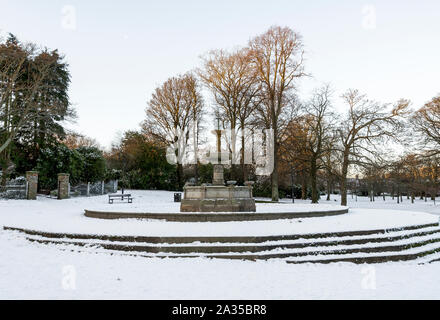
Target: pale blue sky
x=120, y=51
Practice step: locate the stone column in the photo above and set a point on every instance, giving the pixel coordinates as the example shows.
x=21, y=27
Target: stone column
x=32, y=185
x=63, y=186
x=250, y=185
x=218, y=178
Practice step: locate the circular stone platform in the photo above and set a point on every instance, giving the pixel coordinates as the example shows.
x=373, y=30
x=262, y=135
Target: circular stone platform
x=214, y=217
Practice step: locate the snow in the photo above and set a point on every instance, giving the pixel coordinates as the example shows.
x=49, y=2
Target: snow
x=67, y=216
x=30, y=271
x=35, y=271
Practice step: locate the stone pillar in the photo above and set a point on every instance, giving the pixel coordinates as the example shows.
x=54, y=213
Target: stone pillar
x=63, y=186
x=250, y=185
x=32, y=185
x=218, y=178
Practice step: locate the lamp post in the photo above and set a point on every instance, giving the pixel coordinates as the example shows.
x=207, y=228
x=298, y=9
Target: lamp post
x=293, y=186
x=356, y=188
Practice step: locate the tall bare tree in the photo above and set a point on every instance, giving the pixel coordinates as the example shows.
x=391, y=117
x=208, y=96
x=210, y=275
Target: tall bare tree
x=426, y=122
x=362, y=129
x=232, y=81
x=18, y=86
x=23, y=74
x=318, y=125
x=277, y=56
x=172, y=111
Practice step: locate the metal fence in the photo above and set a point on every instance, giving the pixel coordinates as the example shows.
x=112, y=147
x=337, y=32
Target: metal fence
x=18, y=189
x=94, y=189
x=14, y=189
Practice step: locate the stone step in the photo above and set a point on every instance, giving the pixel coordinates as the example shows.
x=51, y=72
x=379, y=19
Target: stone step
x=412, y=242
x=348, y=244
x=331, y=236
x=422, y=254
x=413, y=253
x=212, y=216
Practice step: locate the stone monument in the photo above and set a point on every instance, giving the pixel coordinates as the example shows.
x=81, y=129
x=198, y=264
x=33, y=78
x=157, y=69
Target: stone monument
x=218, y=197
x=218, y=175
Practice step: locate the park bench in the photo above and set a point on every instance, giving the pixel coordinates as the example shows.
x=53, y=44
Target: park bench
x=122, y=196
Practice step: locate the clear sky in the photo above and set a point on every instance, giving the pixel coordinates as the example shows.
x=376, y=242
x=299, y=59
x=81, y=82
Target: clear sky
x=119, y=51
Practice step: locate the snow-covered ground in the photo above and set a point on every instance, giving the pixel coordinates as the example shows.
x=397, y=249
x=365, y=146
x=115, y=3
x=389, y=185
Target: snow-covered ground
x=29, y=270
x=33, y=272
x=67, y=216
x=379, y=203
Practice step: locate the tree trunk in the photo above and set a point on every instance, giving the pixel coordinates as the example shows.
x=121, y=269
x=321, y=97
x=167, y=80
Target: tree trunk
x=243, y=165
x=343, y=188
x=313, y=171
x=344, y=180
x=328, y=189
x=274, y=181
x=274, y=176
x=179, y=176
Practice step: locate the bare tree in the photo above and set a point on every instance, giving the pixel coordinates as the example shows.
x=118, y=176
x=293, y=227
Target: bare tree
x=22, y=78
x=172, y=111
x=75, y=140
x=318, y=124
x=277, y=56
x=20, y=81
x=365, y=125
x=233, y=84
x=426, y=122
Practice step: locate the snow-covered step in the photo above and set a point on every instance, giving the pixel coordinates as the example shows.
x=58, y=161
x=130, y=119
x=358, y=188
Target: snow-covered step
x=416, y=254
x=419, y=254
x=370, y=245
x=339, y=250
x=246, y=251
x=300, y=243
x=331, y=236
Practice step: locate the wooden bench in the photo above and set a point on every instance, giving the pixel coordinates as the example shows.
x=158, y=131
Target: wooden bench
x=122, y=196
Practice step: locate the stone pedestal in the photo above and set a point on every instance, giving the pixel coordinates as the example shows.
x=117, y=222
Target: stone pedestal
x=32, y=185
x=63, y=186
x=218, y=199
x=218, y=177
